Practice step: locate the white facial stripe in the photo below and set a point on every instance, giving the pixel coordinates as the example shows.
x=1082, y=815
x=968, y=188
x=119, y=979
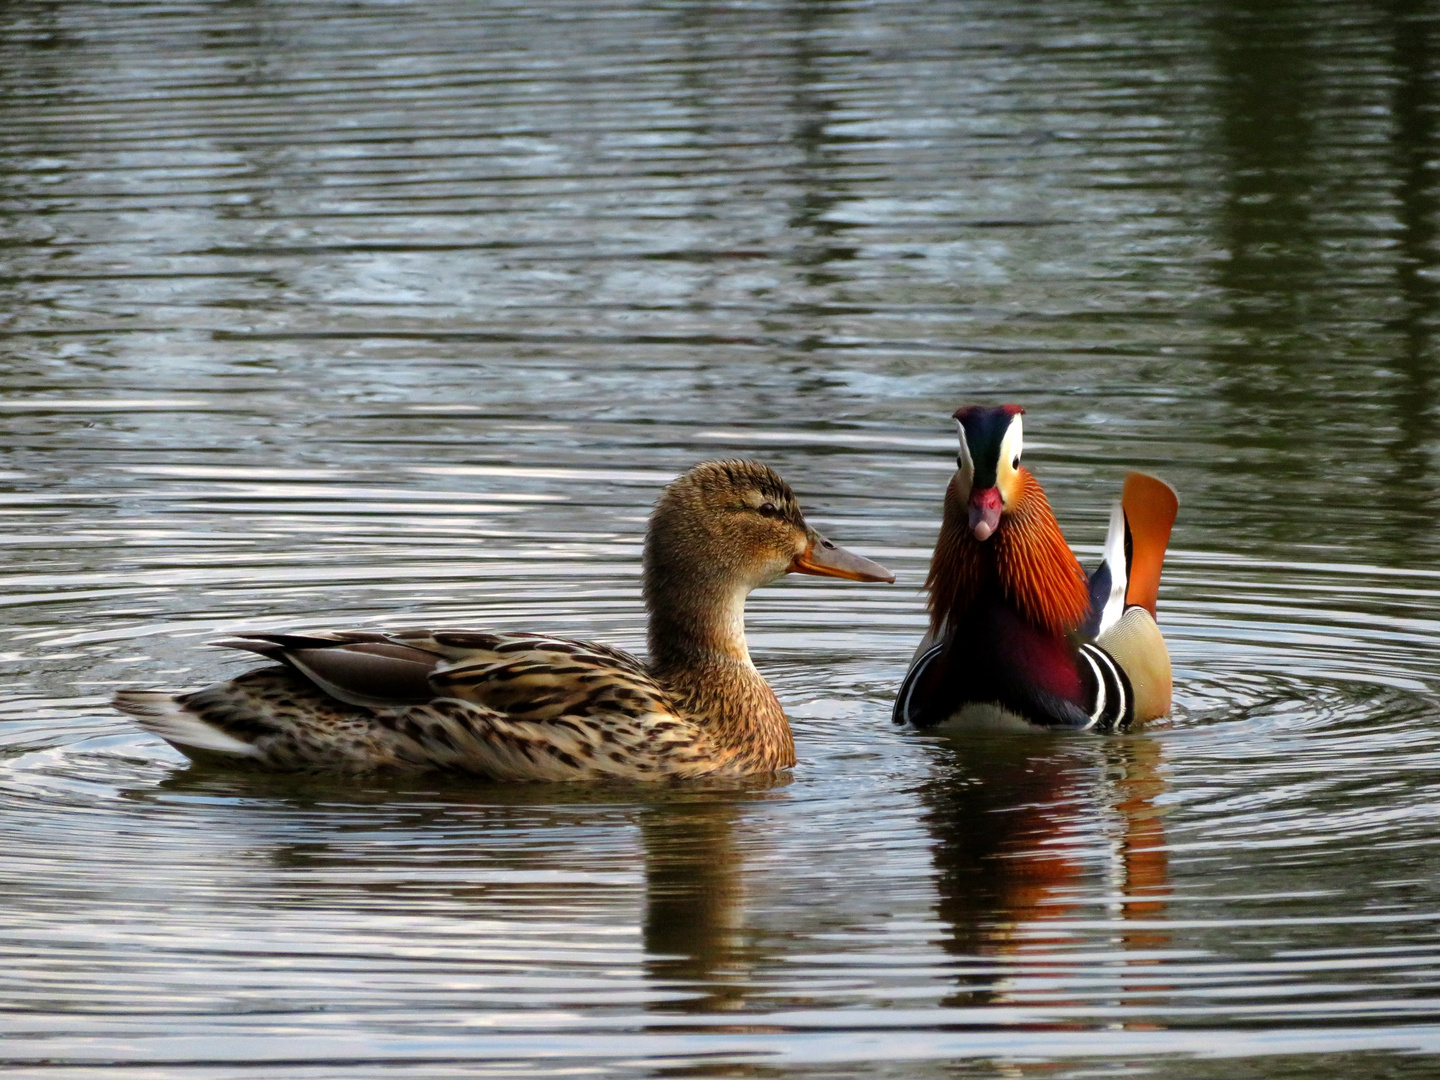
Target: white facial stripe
x=1011, y=447
x=966, y=462
x=1013, y=444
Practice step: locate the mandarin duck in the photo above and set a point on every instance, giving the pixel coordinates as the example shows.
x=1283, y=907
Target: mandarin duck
x=1019, y=635
x=523, y=706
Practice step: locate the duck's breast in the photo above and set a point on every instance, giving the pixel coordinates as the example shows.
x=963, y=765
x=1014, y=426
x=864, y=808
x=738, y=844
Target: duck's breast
x=993, y=658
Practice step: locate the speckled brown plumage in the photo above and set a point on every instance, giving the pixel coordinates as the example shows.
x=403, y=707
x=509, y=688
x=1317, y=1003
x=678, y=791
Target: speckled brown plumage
x=534, y=707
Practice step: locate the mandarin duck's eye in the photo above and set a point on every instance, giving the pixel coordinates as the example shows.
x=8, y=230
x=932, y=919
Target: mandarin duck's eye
x=1015, y=462
x=768, y=509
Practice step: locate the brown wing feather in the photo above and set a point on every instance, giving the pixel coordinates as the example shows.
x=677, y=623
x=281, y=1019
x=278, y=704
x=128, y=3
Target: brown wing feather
x=356, y=667
x=533, y=678
x=510, y=706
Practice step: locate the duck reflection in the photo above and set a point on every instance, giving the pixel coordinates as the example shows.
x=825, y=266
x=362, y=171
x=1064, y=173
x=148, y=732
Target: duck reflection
x=696, y=947
x=508, y=851
x=1023, y=826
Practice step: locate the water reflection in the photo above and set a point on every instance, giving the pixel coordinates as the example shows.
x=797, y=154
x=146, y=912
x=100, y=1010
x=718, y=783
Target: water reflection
x=1273, y=273
x=1309, y=322
x=818, y=175
x=1022, y=828
x=694, y=926
x=338, y=314
x=1413, y=151
x=454, y=841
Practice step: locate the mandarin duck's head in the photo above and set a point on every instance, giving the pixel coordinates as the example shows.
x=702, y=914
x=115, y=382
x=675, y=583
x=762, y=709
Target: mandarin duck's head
x=737, y=525
x=991, y=442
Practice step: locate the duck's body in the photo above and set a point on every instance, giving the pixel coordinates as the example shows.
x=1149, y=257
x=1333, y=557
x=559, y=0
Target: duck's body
x=529, y=707
x=509, y=706
x=1019, y=636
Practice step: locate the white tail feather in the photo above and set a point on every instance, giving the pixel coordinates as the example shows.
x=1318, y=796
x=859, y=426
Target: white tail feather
x=1119, y=570
x=160, y=714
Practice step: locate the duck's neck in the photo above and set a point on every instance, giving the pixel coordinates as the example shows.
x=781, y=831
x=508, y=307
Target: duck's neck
x=1027, y=561
x=698, y=653
x=698, y=618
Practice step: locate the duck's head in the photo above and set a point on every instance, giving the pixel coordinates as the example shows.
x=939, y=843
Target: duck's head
x=735, y=525
x=991, y=442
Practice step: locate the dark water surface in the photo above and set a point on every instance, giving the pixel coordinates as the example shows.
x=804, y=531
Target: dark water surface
x=332, y=314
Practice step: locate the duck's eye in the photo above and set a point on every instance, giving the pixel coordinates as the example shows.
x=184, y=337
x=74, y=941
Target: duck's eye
x=1015, y=462
x=768, y=509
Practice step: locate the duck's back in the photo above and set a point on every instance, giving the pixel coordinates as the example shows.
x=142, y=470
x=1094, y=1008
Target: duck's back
x=508, y=706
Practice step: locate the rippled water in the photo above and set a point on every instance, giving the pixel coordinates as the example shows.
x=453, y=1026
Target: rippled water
x=357, y=314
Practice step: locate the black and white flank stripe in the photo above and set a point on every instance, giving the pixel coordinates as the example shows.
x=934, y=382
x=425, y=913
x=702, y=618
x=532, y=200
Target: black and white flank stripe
x=1112, y=702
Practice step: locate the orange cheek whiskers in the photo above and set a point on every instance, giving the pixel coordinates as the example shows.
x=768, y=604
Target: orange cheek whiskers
x=1027, y=557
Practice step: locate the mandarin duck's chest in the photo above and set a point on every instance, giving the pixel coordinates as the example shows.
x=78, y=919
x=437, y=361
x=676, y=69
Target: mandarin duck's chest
x=996, y=651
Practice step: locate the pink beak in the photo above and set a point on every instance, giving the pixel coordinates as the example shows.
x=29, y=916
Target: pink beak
x=985, y=507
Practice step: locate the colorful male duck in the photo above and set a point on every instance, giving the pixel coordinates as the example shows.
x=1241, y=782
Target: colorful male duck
x=1019, y=636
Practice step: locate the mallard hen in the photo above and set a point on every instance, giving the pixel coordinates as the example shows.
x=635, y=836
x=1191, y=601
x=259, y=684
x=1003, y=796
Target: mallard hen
x=519, y=706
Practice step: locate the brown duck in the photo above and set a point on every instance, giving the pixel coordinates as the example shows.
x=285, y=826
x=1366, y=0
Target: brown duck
x=515, y=706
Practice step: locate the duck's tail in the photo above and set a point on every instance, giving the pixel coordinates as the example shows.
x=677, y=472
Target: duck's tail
x=1129, y=575
x=1149, y=506
x=166, y=715
x=1124, y=587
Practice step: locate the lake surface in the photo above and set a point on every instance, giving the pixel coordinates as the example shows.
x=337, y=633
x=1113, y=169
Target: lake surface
x=333, y=314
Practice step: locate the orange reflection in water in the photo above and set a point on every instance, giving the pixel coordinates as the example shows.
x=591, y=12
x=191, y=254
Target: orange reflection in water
x=1033, y=833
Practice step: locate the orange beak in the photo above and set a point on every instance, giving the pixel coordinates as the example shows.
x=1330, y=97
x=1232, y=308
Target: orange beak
x=824, y=559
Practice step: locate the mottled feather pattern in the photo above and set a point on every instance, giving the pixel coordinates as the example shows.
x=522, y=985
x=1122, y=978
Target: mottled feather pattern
x=520, y=706
x=742, y=713
x=517, y=706
x=293, y=725
x=458, y=734
x=541, y=678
